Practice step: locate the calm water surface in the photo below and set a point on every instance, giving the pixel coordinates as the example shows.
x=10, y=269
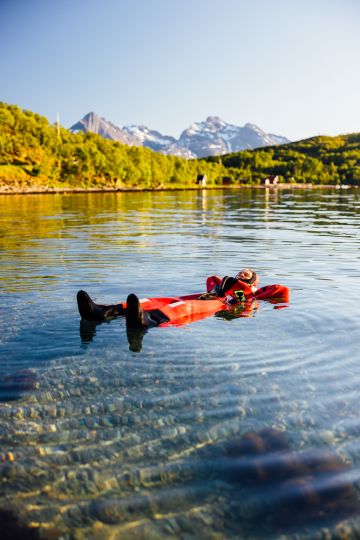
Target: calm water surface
x=246, y=428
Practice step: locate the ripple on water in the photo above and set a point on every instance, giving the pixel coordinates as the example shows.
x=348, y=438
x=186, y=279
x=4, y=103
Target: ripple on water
x=221, y=429
x=92, y=435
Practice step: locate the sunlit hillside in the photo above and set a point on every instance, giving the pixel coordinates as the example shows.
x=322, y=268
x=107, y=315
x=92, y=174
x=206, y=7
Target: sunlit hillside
x=35, y=155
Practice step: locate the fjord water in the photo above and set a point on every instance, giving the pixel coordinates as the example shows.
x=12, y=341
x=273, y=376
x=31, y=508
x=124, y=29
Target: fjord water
x=242, y=428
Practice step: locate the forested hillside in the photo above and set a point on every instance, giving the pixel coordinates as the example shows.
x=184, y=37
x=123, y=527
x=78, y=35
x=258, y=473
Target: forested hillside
x=35, y=155
x=319, y=160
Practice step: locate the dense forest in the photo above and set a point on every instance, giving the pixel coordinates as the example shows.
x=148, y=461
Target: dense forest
x=35, y=155
x=319, y=160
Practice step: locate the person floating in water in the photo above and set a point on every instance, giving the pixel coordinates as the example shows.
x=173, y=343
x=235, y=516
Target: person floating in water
x=227, y=297
x=232, y=289
x=224, y=293
x=235, y=289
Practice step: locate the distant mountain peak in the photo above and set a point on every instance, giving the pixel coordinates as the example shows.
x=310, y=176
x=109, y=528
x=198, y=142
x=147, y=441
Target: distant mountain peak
x=95, y=124
x=248, y=125
x=91, y=114
x=213, y=136
x=216, y=120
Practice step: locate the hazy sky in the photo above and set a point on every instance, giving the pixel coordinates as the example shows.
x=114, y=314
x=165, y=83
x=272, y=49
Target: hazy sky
x=289, y=66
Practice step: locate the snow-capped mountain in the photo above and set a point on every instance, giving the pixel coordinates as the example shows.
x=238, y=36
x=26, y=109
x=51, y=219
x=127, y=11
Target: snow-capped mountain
x=92, y=122
x=210, y=138
x=216, y=137
x=149, y=138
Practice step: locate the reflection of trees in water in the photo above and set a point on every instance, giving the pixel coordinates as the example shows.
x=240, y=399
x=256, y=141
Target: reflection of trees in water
x=32, y=217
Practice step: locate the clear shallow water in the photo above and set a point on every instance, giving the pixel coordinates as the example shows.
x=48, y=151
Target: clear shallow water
x=101, y=442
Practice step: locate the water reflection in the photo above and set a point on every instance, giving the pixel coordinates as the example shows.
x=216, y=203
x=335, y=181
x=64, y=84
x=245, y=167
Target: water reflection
x=135, y=338
x=135, y=335
x=87, y=331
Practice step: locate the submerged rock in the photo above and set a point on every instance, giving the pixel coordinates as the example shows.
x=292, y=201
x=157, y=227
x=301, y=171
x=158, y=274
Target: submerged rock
x=12, y=529
x=14, y=385
x=295, y=488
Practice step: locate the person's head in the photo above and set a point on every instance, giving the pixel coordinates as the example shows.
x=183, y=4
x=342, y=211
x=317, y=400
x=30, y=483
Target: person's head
x=247, y=275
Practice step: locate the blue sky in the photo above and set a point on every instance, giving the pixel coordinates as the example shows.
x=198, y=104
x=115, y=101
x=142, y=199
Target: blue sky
x=289, y=66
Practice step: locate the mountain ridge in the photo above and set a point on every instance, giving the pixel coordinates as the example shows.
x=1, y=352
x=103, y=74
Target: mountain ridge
x=211, y=137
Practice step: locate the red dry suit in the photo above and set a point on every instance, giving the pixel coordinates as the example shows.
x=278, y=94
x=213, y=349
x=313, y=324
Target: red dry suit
x=234, y=290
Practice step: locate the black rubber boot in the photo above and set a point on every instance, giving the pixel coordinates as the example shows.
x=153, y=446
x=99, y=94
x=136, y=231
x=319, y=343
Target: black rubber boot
x=96, y=312
x=136, y=317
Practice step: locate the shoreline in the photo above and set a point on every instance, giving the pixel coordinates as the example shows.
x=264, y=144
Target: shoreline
x=61, y=191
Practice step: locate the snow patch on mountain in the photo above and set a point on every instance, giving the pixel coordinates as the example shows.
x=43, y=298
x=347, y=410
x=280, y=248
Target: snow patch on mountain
x=149, y=138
